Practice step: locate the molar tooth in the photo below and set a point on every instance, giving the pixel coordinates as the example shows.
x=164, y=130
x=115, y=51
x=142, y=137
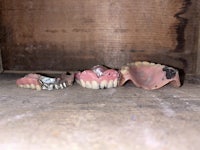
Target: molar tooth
x=103, y=84
x=152, y=64
x=124, y=69
x=110, y=84
x=137, y=63
x=95, y=85
x=115, y=83
x=88, y=85
x=146, y=63
x=83, y=83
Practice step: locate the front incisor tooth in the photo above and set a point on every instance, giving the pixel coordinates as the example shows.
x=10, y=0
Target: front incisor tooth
x=103, y=84
x=95, y=85
x=110, y=84
x=82, y=83
x=115, y=83
x=88, y=85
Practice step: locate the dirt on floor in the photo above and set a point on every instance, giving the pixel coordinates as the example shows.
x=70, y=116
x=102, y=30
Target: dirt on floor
x=76, y=118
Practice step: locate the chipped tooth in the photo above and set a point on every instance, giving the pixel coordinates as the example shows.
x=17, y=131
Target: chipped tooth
x=110, y=84
x=115, y=83
x=95, y=85
x=38, y=87
x=82, y=83
x=88, y=85
x=103, y=84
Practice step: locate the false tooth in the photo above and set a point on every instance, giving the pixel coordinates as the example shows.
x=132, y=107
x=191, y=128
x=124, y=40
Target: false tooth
x=82, y=83
x=27, y=86
x=110, y=84
x=61, y=86
x=103, y=84
x=38, y=88
x=152, y=64
x=145, y=63
x=138, y=63
x=56, y=87
x=32, y=86
x=64, y=84
x=21, y=85
x=115, y=83
x=95, y=85
x=50, y=87
x=124, y=69
x=88, y=85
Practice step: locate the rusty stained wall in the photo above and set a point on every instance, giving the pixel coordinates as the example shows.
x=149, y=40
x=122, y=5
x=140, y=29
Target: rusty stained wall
x=71, y=35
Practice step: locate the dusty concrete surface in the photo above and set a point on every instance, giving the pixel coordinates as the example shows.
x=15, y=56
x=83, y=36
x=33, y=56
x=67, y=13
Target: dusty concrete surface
x=124, y=118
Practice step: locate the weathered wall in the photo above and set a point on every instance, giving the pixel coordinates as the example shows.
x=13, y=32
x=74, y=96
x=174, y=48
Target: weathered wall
x=65, y=34
x=198, y=38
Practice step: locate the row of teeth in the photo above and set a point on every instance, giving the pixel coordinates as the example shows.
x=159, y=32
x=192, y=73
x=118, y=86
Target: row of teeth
x=31, y=86
x=44, y=86
x=126, y=68
x=95, y=85
x=137, y=63
x=54, y=86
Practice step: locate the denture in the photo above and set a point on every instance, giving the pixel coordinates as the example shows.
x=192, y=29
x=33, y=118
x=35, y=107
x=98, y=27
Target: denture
x=40, y=82
x=99, y=77
x=149, y=76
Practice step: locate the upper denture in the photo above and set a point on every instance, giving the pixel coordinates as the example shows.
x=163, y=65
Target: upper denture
x=149, y=75
x=108, y=78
